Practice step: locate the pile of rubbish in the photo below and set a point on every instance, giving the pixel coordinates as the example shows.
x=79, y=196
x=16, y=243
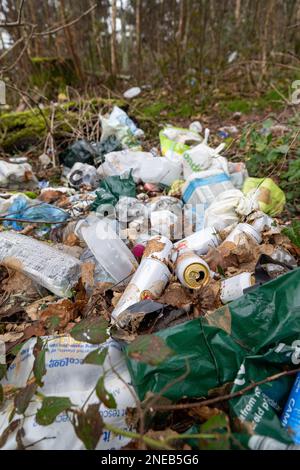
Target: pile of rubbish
x=184, y=256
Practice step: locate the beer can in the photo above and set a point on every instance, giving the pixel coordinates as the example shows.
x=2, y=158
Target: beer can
x=244, y=228
x=159, y=248
x=199, y=242
x=191, y=270
x=233, y=287
x=291, y=415
x=151, y=277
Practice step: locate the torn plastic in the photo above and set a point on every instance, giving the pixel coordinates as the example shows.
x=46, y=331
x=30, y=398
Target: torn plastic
x=227, y=209
x=22, y=207
x=111, y=189
x=68, y=376
x=119, y=124
x=270, y=197
x=17, y=175
x=109, y=250
x=80, y=151
x=47, y=266
x=144, y=167
x=82, y=173
x=174, y=141
x=248, y=340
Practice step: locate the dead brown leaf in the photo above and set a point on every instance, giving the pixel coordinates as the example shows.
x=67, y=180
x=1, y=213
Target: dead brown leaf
x=176, y=295
x=18, y=283
x=11, y=336
x=204, y=412
x=72, y=240
x=49, y=195
x=34, y=310
x=87, y=274
x=64, y=309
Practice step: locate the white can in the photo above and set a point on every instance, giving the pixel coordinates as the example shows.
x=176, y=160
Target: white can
x=191, y=270
x=158, y=247
x=148, y=282
x=151, y=277
x=233, y=288
x=262, y=223
x=200, y=242
x=244, y=228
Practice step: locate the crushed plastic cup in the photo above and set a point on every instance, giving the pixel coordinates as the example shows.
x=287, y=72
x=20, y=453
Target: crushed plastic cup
x=109, y=250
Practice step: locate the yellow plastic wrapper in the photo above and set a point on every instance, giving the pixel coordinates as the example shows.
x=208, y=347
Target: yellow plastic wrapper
x=270, y=197
x=181, y=140
x=176, y=188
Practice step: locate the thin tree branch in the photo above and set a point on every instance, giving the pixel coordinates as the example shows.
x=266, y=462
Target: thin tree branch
x=67, y=25
x=229, y=396
x=19, y=20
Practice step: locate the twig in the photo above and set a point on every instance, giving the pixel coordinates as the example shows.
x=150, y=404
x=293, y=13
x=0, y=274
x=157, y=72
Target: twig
x=228, y=396
x=19, y=20
x=51, y=222
x=10, y=67
x=67, y=25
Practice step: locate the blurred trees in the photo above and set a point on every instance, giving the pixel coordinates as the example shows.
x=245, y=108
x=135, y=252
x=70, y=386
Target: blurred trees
x=152, y=40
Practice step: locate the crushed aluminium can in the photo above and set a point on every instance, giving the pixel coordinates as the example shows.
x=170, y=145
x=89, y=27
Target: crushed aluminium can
x=291, y=414
x=151, y=277
x=199, y=242
x=191, y=270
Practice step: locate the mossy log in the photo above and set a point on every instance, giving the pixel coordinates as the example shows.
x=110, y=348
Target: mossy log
x=20, y=130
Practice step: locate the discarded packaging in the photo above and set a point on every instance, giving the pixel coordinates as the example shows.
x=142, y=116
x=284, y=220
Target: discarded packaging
x=132, y=93
x=15, y=175
x=227, y=209
x=291, y=414
x=247, y=229
x=82, y=173
x=270, y=197
x=68, y=376
x=191, y=270
x=204, y=186
x=80, y=151
x=175, y=141
x=119, y=124
x=199, y=242
x=51, y=268
x=233, y=287
x=144, y=167
x=109, y=250
x=150, y=278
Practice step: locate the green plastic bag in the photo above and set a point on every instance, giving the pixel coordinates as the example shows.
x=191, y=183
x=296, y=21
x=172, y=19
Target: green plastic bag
x=270, y=197
x=247, y=340
x=112, y=188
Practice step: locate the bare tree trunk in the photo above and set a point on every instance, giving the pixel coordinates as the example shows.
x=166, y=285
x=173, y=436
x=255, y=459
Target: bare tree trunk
x=138, y=37
x=70, y=42
x=125, y=58
x=237, y=12
x=180, y=34
x=264, y=52
x=113, y=45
